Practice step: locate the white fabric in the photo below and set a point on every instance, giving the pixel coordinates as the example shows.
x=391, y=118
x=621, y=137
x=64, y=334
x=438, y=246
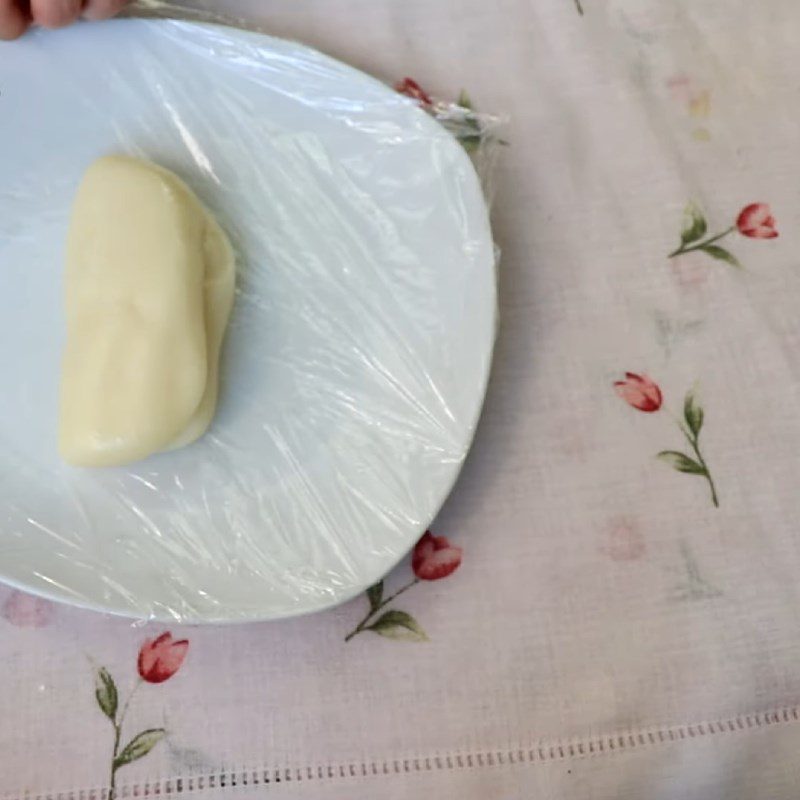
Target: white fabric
x=758, y=765
x=600, y=593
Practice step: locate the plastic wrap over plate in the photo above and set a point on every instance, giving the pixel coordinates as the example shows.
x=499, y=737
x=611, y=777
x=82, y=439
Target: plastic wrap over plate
x=358, y=352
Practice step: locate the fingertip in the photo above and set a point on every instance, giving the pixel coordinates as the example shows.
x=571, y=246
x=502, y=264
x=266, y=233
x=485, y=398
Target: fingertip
x=103, y=9
x=13, y=23
x=55, y=13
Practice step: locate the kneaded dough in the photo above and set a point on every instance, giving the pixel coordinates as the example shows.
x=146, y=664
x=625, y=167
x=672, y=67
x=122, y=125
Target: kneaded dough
x=219, y=289
x=149, y=288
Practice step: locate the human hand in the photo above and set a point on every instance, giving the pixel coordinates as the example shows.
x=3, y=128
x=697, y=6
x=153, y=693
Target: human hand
x=17, y=15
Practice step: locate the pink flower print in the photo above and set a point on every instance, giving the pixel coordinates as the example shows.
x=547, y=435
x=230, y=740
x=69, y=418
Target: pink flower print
x=459, y=118
x=625, y=541
x=680, y=86
x=26, y=611
x=161, y=658
x=686, y=91
x=754, y=221
x=757, y=222
x=410, y=88
x=696, y=99
x=690, y=271
x=434, y=558
x=640, y=392
x=643, y=394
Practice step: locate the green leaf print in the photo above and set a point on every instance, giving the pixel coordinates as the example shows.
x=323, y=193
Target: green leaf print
x=399, y=625
x=694, y=225
x=375, y=595
x=139, y=746
x=681, y=462
x=106, y=693
x=693, y=414
x=721, y=254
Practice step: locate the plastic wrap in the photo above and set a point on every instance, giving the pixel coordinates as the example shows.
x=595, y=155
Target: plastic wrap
x=359, y=348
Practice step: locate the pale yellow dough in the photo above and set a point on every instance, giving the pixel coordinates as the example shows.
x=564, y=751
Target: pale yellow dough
x=149, y=289
x=219, y=288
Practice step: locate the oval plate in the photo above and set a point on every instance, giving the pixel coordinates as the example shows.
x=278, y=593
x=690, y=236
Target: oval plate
x=358, y=353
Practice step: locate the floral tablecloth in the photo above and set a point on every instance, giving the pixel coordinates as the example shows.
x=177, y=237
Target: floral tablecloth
x=608, y=605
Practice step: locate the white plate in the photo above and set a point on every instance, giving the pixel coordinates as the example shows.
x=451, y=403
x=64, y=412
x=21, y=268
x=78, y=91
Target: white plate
x=359, y=350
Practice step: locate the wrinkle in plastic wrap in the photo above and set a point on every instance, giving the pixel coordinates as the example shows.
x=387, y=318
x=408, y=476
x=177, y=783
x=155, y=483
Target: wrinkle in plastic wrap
x=359, y=347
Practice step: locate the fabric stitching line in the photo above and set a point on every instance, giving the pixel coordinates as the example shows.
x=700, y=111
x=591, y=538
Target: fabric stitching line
x=607, y=744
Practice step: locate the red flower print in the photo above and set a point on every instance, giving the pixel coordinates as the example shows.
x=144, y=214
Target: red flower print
x=757, y=222
x=640, y=392
x=161, y=658
x=410, y=88
x=434, y=557
x=643, y=394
